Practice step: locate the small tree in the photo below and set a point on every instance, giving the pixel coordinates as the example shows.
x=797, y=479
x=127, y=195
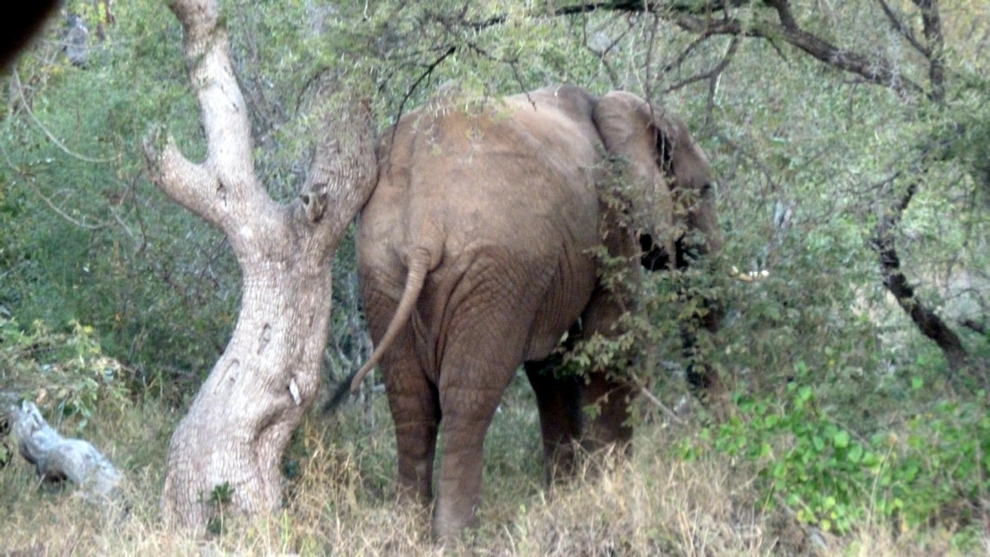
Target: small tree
x=241, y=420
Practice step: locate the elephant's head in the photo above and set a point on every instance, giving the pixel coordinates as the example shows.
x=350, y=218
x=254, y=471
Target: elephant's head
x=673, y=200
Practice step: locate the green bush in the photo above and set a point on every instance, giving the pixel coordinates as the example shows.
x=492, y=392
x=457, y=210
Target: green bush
x=931, y=467
x=64, y=372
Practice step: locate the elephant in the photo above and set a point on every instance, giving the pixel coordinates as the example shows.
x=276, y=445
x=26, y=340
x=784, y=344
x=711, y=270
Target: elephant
x=476, y=254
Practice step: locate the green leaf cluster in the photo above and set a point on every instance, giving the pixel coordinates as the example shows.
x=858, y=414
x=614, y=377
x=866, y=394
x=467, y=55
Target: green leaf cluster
x=64, y=372
x=924, y=468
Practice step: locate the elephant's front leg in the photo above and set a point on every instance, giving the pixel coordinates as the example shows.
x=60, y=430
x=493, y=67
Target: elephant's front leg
x=610, y=426
x=608, y=395
x=559, y=402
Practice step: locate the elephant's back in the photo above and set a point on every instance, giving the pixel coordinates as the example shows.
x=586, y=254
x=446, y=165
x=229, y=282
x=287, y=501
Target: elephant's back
x=500, y=174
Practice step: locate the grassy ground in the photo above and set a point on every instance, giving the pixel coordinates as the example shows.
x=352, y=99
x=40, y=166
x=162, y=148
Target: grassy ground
x=339, y=501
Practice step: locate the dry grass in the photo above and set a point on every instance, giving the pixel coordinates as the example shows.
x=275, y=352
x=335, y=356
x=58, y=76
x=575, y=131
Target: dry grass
x=341, y=503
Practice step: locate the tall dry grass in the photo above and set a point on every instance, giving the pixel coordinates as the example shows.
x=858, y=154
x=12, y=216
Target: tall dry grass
x=340, y=501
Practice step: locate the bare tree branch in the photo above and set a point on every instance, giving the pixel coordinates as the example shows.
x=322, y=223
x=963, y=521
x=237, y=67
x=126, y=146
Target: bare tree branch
x=183, y=180
x=711, y=74
x=927, y=321
x=879, y=71
x=697, y=17
x=343, y=165
x=903, y=29
x=51, y=137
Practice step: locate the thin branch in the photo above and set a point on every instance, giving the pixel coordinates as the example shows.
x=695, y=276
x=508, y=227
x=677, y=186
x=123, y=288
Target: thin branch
x=412, y=89
x=676, y=63
x=50, y=135
x=903, y=29
x=647, y=87
x=663, y=407
x=768, y=174
x=29, y=180
x=62, y=213
x=713, y=73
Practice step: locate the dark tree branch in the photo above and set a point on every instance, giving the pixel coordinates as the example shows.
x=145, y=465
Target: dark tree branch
x=927, y=321
x=632, y=6
x=693, y=8
x=697, y=17
x=974, y=325
x=426, y=73
x=932, y=26
x=903, y=29
x=711, y=74
x=877, y=71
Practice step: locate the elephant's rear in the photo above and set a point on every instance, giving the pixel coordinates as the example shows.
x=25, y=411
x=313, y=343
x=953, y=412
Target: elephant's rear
x=503, y=199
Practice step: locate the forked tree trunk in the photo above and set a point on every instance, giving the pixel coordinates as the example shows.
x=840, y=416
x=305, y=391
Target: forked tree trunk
x=241, y=420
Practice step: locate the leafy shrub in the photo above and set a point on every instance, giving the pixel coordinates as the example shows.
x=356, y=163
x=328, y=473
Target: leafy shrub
x=930, y=467
x=65, y=371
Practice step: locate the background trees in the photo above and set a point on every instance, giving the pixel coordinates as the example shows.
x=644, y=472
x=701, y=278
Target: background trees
x=851, y=139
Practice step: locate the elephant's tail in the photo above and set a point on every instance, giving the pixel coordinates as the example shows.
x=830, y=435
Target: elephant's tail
x=419, y=266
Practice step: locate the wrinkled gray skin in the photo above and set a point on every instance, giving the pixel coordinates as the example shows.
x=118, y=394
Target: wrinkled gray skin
x=475, y=256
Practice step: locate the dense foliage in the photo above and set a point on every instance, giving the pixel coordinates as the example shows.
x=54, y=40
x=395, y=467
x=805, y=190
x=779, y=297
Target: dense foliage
x=844, y=409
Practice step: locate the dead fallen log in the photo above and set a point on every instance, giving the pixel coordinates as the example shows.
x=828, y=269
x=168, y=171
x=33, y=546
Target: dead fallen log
x=57, y=458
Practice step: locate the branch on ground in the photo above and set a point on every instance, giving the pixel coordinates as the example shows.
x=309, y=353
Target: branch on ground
x=57, y=458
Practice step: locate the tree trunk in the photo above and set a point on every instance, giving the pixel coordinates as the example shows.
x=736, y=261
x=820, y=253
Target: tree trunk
x=242, y=419
x=227, y=450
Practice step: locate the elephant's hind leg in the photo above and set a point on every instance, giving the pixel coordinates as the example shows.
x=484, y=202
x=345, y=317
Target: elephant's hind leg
x=415, y=409
x=473, y=377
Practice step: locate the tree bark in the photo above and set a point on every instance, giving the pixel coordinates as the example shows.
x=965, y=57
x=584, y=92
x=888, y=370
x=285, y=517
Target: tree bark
x=241, y=421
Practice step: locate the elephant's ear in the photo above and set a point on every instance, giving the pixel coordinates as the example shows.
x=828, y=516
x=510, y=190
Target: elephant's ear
x=663, y=141
x=638, y=133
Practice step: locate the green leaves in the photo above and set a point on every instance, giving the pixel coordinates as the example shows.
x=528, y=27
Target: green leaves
x=65, y=372
x=831, y=476
x=840, y=439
